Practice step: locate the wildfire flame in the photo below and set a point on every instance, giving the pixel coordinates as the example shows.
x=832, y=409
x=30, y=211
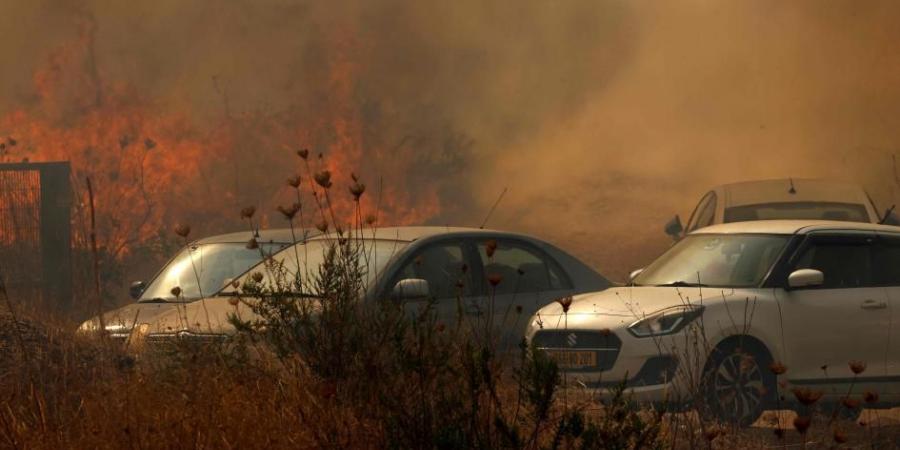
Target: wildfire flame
x=152, y=166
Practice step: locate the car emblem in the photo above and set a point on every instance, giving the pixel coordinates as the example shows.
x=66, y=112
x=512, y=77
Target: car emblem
x=572, y=339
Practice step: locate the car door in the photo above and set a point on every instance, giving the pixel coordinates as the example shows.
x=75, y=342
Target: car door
x=447, y=267
x=845, y=319
x=887, y=275
x=519, y=279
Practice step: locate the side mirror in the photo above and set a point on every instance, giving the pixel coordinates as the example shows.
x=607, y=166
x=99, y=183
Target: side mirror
x=805, y=278
x=674, y=228
x=411, y=289
x=634, y=274
x=136, y=289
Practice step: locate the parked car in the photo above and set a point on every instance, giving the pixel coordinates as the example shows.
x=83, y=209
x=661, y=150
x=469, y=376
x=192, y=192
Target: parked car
x=199, y=269
x=418, y=266
x=714, y=312
x=786, y=199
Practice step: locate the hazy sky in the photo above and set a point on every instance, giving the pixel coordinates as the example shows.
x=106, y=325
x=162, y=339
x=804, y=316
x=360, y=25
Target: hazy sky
x=603, y=118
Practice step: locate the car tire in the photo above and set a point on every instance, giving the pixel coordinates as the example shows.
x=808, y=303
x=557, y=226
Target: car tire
x=738, y=385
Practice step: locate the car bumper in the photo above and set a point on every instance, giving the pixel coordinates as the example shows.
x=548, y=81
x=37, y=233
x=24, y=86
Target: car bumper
x=647, y=370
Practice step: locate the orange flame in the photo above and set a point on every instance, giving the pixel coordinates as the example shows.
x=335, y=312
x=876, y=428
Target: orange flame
x=152, y=167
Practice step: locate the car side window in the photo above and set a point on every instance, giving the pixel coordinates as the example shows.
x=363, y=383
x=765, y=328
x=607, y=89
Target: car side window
x=846, y=262
x=705, y=214
x=443, y=266
x=887, y=261
x=518, y=268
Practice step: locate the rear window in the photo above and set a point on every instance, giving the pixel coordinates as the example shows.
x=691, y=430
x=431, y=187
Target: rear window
x=845, y=212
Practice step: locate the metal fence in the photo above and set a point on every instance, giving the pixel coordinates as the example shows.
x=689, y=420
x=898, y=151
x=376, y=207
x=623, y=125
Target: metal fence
x=35, y=231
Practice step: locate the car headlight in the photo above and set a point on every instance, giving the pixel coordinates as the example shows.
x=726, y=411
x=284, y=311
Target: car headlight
x=667, y=321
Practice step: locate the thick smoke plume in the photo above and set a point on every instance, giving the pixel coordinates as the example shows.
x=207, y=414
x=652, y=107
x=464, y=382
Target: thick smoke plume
x=602, y=118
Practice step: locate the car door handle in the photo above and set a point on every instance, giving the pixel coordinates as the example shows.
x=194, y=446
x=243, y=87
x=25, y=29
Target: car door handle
x=873, y=304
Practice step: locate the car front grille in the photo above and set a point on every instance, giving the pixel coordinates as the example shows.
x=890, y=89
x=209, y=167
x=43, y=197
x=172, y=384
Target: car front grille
x=605, y=344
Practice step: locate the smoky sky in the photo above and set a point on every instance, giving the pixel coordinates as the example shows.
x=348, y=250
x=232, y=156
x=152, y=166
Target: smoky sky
x=602, y=118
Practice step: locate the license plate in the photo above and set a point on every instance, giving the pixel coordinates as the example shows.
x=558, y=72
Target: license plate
x=573, y=359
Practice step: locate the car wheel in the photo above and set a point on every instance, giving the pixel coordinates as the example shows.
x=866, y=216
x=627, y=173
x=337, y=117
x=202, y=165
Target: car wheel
x=738, y=385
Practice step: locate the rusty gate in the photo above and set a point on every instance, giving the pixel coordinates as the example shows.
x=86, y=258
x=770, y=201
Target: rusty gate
x=36, y=232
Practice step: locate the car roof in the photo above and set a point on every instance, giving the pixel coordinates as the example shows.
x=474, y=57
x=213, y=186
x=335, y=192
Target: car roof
x=280, y=235
x=804, y=190
x=793, y=227
x=413, y=233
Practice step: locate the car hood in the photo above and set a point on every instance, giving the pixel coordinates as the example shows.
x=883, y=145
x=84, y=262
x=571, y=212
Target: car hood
x=634, y=301
x=211, y=315
x=122, y=320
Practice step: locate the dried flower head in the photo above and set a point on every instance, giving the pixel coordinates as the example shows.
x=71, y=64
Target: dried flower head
x=247, y=212
x=149, y=144
x=439, y=327
x=565, y=302
x=747, y=362
x=304, y=153
x=323, y=178
x=12, y=142
x=290, y=211
x=257, y=277
x=176, y=291
x=807, y=396
x=518, y=309
x=839, y=436
x=870, y=397
x=183, y=230
x=857, y=367
x=494, y=279
x=490, y=247
x=233, y=301
x=850, y=403
x=357, y=190
x=802, y=423
x=712, y=432
x=777, y=368
x=235, y=284
x=252, y=244
x=294, y=182
x=371, y=219
x=322, y=226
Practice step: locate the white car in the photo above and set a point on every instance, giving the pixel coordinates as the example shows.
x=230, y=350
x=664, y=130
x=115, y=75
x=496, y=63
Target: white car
x=419, y=266
x=786, y=199
x=199, y=269
x=709, y=317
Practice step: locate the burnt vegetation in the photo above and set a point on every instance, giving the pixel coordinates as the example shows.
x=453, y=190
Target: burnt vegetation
x=316, y=367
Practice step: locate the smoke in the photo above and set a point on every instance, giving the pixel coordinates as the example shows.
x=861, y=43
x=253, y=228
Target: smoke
x=602, y=118
x=714, y=93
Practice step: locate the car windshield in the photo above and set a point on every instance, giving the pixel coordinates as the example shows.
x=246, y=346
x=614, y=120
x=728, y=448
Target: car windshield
x=201, y=270
x=373, y=257
x=716, y=260
x=846, y=212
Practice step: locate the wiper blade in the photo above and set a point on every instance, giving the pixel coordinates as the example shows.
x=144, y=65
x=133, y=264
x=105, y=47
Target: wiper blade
x=681, y=284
